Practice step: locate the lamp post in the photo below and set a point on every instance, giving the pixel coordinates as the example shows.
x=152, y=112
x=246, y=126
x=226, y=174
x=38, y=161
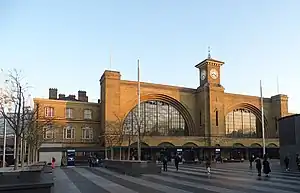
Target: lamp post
x=5, y=106
x=262, y=120
x=4, y=144
x=139, y=114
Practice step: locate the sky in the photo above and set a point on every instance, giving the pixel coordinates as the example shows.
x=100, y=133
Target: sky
x=67, y=44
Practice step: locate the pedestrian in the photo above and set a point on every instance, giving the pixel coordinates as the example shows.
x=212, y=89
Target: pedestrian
x=177, y=160
x=286, y=162
x=298, y=161
x=93, y=161
x=251, y=160
x=53, y=162
x=258, y=166
x=266, y=165
x=90, y=161
x=165, y=164
x=208, y=165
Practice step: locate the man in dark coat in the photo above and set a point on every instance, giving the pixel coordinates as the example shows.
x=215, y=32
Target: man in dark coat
x=286, y=162
x=251, y=160
x=90, y=161
x=165, y=163
x=267, y=168
x=298, y=161
x=177, y=160
x=258, y=166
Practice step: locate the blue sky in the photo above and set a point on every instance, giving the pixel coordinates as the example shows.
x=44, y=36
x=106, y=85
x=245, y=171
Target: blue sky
x=66, y=44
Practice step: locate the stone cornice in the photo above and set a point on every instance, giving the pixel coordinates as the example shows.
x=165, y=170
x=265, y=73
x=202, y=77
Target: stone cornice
x=153, y=85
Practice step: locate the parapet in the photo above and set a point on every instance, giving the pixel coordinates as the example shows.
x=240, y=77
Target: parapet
x=109, y=74
x=279, y=97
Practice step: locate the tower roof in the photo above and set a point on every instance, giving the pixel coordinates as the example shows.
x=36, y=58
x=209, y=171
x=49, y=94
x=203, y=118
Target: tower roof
x=209, y=60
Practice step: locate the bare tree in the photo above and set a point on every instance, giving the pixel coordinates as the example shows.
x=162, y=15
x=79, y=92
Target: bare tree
x=114, y=134
x=117, y=132
x=137, y=129
x=37, y=131
x=19, y=115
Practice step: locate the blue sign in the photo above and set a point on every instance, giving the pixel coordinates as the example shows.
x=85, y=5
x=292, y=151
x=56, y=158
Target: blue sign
x=71, y=157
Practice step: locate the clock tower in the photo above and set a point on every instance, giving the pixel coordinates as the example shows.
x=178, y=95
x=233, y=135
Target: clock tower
x=210, y=99
x=210, y=72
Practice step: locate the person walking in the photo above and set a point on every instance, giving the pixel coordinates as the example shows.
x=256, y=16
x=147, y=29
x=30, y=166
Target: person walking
x=90, y=161
x=53, y=163
x=208, y=165
x=286, y=162
x=267, y=168
x=165, y=164
x=258, y=166
x=177, y=160
x=251, y=160
x=298, y=161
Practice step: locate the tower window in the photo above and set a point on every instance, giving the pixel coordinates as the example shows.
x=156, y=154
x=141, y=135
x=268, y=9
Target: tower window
x=200, y=118
x=217, y=118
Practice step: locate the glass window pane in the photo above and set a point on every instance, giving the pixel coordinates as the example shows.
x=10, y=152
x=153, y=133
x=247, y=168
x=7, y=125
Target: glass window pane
x=241, y=123
x=156, y=119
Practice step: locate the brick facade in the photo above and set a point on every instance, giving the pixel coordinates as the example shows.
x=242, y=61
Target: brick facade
x=198, y=107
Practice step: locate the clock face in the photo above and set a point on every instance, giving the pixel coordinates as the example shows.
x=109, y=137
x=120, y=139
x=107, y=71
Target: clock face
x=203, y=74
x=214, y=73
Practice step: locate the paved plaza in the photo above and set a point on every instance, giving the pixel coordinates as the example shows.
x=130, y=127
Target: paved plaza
x=225, y=178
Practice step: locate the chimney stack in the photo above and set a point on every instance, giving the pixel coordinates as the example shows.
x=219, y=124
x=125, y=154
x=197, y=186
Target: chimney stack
x=61, y=96
x=82, y=96
x=72, y=97
x=52, y=93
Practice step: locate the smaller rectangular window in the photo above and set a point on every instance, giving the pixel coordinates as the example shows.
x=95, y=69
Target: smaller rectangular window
x=49, y=112
x=217, y=118
x=87, y=114
x=69, y=113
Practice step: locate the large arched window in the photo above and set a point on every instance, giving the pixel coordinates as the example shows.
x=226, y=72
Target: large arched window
x=156, y=119
x=242, y=123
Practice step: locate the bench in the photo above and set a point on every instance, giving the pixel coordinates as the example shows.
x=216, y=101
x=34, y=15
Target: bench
x=31, y=179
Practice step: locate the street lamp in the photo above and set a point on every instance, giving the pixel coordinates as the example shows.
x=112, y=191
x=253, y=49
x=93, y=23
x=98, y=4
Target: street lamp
x=5, y=106
x=4, y=144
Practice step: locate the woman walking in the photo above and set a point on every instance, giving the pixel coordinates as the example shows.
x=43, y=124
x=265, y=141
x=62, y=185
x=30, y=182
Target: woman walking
x=208, y=165
x=53, y=162
x=266, y=165
x=258, y=166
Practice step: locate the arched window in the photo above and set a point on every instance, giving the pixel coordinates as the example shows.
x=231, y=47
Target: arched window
x=48, y=132
x=69, y=132
x=87, y=133
x=156, y=119
x=242, y=123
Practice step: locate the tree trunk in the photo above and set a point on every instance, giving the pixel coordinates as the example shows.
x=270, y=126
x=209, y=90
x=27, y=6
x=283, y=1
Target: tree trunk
x=106, y=153
x=29, y=155
x=33, y=154
x=16, y=164
x=37, y=155
x=22, y=152
x=111, y=153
